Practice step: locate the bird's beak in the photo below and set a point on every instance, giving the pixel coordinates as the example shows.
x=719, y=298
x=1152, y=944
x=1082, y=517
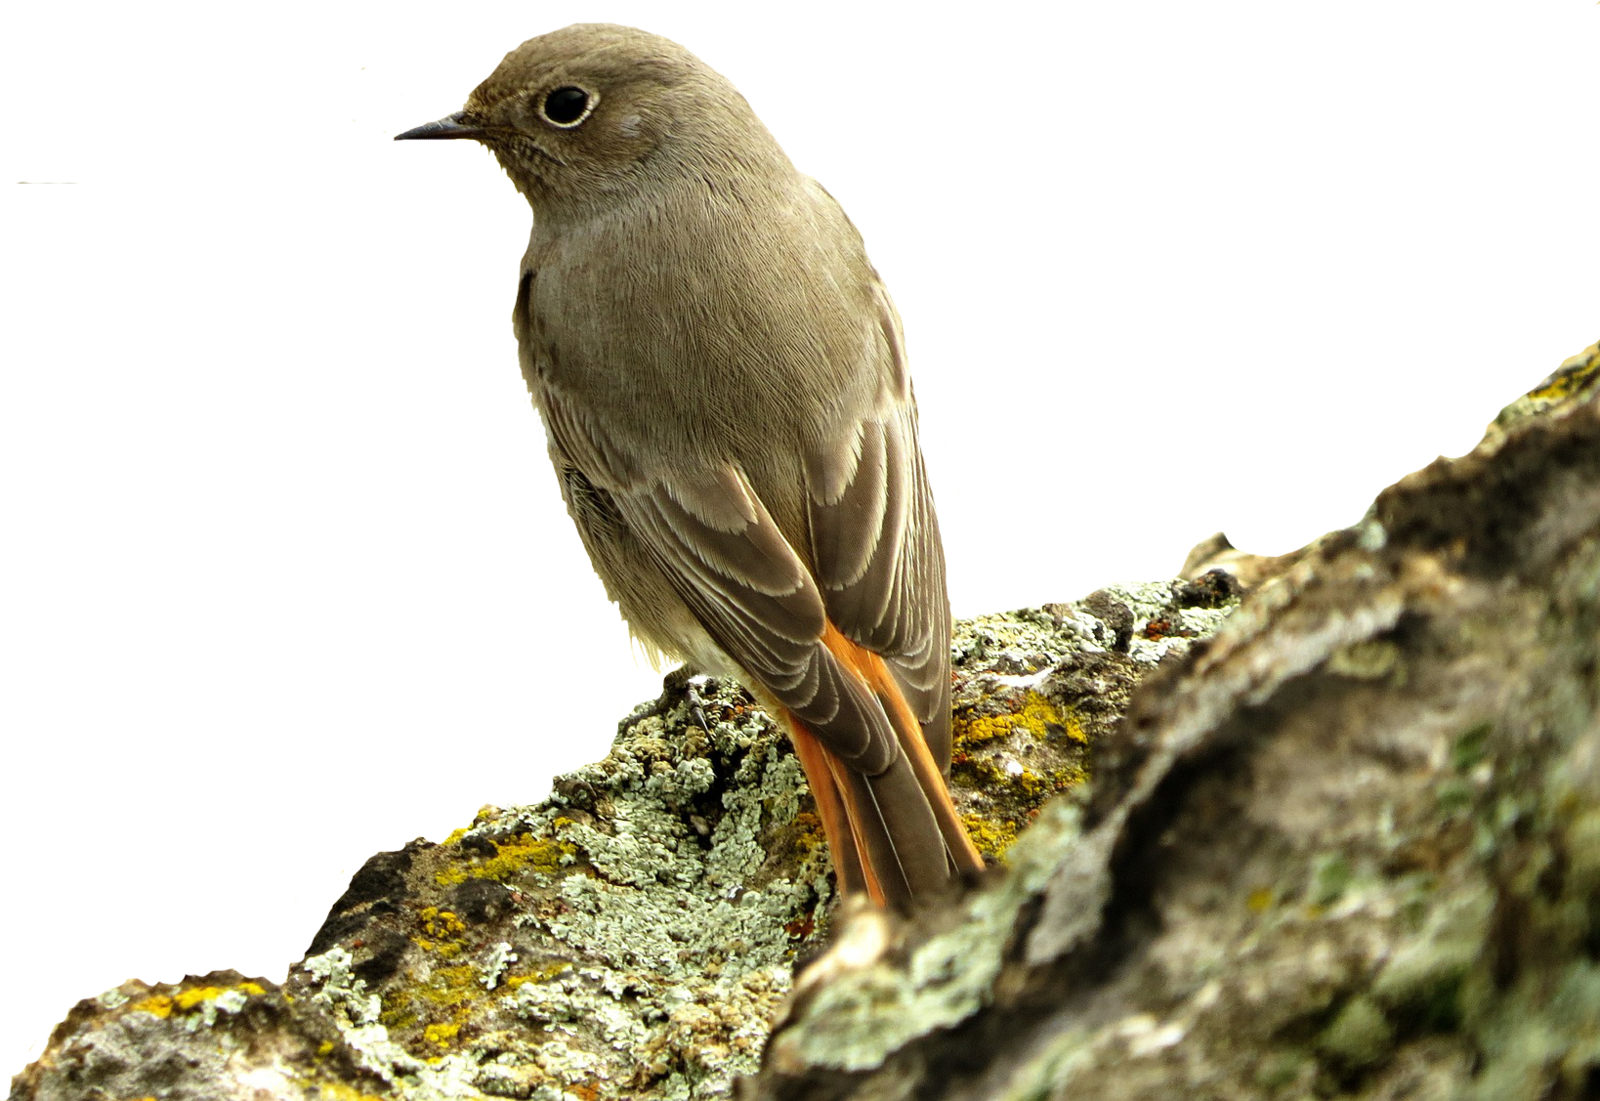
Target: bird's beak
x=451, y=126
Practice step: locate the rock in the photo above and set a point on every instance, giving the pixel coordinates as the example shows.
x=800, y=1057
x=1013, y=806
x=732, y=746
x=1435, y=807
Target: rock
x=1350, y=845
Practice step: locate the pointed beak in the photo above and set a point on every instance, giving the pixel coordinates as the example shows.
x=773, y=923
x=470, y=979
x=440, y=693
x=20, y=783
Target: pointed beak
x=451, y=126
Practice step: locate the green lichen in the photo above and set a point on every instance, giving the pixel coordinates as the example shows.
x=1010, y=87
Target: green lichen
x=1470, y=749
x=1280, y=1069
x=1329, y=880
x=1454, y=796
x=1359, y=1035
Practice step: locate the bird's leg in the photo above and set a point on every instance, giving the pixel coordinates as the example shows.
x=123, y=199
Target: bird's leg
x=682, y=679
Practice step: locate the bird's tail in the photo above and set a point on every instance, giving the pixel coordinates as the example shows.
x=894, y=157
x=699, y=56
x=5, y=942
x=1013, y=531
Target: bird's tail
x=895, y=835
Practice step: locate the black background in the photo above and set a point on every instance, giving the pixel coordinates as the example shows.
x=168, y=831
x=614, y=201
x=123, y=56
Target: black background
x=287, y=588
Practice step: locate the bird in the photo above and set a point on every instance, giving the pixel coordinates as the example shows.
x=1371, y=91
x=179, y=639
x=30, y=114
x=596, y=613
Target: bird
x=723, y=382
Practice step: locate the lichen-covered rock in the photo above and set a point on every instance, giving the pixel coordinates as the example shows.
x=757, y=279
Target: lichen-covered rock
x=217, y=1037
x=634, y=935
x=1350, y=848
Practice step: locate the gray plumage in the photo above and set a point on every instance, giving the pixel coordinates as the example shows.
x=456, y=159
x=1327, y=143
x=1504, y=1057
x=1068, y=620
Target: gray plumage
x=723, y=381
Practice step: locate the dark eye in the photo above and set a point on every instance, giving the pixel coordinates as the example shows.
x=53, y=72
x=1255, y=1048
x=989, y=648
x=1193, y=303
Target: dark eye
x=565, y=106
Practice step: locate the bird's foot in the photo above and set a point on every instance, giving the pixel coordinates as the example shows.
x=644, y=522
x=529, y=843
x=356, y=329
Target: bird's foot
x=686, y=679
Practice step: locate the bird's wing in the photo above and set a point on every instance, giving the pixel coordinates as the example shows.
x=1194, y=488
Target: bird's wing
x=848, y=634
x=875, y=548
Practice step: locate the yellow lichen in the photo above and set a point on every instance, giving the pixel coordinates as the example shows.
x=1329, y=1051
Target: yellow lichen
x=397, y=1012
x=162, y=1005
x=539, y=974
x=441, y=923
x=451, y=990
x=440, y=1034
x=1573, y=374
x=808, y=835
x=542, y=854
x=993, y=837
x=445, y=925
x=338, y=1091
x=1037, y=714
x=1027, y=786
x=1069, y=777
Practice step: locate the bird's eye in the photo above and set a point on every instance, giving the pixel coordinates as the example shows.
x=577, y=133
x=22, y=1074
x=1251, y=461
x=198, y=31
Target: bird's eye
x=566, y=106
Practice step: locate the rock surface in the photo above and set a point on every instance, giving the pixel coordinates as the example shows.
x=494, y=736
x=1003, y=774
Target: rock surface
x=1350, y=846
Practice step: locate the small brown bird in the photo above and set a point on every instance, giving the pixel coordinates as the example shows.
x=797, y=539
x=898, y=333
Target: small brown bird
x=723, y=382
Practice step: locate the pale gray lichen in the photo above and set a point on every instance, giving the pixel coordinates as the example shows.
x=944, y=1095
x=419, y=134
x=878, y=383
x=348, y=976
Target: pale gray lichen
x=948, y=977
x=650, y=931
x=500, y=957
x=339, y=989
x=111, y=999
x=1151, y=601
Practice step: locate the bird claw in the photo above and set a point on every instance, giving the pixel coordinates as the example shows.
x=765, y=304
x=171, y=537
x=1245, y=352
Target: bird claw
x=683, y=679
x=696, y=708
